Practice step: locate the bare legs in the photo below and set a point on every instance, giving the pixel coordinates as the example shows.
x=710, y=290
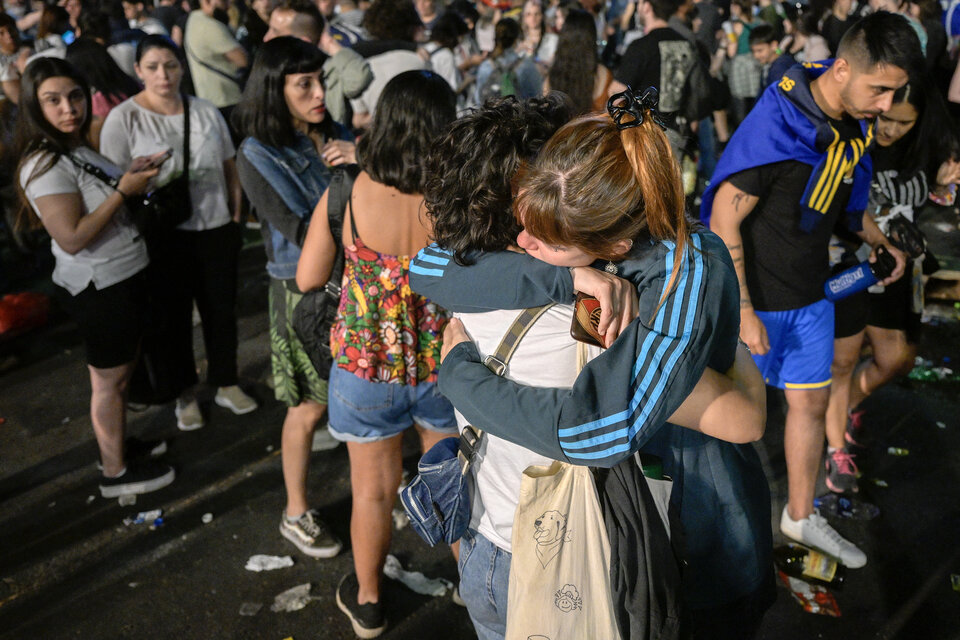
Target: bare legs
x=375, y=471
x=295, y=446
x=803, y=446
x=892, y=357
x=108, y=413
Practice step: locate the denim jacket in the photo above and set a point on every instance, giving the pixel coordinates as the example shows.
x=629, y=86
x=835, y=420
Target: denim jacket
x=298, y=177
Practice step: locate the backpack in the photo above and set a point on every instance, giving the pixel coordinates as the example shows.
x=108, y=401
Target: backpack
x=687, y=86
x=501, y=82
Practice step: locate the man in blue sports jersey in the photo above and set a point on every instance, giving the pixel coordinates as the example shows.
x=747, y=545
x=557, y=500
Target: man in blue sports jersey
x=797, y=167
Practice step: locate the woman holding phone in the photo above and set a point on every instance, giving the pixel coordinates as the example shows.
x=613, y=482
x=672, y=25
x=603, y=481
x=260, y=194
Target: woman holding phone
x=78, y=196
x=197, y=261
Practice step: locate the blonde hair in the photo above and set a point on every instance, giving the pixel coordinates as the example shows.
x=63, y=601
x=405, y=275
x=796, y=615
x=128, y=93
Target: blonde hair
x=594, y=185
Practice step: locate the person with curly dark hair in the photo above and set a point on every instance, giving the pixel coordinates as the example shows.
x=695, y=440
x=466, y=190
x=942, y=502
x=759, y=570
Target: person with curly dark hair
x=394, y=26
x=576, y=68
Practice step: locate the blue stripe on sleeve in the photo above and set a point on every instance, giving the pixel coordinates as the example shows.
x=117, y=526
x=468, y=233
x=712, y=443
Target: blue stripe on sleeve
x=426, y=257
x=627, y=433
x=417, y=269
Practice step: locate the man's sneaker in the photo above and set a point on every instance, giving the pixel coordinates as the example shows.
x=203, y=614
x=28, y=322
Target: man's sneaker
x=841, y=472
x=137, y=449
x=855, y=434
x=188, y=413
x=367, y=619
x=310, y=535
x=815, y=531
x=323, y=441
x=139, y=477
x=235, y=399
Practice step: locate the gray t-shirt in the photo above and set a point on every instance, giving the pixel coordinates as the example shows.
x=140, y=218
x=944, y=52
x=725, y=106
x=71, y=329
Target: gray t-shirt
x=131, y=130
x=117, y=253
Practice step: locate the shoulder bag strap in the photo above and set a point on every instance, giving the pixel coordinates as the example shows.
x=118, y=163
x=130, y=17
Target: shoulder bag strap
x=193, y=56
x=94, y=170
x=339, y=194
x=497, y=362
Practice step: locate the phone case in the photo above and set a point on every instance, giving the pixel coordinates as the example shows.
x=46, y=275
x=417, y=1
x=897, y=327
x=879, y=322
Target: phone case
x=586, y=319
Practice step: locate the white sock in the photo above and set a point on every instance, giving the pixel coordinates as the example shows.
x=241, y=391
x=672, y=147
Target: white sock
x=831, y=450
x=119, y=475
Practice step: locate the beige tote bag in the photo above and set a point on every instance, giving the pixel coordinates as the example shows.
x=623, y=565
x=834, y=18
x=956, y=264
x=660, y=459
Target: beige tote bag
x=560, y=571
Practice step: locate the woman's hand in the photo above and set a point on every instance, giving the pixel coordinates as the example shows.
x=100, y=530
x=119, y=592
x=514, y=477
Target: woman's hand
x=136, y=182
x=948, y=173
x=617, y=298
x=453, y=334
x=337, y=152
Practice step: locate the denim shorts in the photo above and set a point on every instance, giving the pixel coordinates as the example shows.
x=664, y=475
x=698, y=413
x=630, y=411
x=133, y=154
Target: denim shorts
x=363, y=411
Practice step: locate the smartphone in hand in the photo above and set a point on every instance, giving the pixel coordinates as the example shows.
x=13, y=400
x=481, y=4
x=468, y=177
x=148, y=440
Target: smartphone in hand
x=145, y=163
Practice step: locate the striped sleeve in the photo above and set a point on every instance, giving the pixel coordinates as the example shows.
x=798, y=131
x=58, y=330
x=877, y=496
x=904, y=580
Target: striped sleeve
x=496, y=280
x=623, y=396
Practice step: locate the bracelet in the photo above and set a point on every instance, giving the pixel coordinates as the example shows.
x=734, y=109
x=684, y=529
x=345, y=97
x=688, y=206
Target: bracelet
x=945, y=200
x=122, y=194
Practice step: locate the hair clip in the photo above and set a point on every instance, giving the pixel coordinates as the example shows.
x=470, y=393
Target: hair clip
x=630, y=113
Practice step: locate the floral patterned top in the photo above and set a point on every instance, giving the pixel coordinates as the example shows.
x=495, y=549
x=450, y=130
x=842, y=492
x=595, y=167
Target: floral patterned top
x=385, y=332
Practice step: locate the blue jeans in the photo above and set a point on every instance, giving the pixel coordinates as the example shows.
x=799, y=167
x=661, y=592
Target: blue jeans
x=484, y=579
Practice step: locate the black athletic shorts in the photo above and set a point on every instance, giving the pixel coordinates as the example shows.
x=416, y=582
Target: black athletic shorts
x=110, y=320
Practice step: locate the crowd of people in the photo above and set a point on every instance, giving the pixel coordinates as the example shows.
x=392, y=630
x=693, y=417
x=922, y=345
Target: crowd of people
x=434, y=168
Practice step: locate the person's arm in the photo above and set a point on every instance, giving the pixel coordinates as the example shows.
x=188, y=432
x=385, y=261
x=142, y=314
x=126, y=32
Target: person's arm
x=270, y=206
x=731, y=206
x=234, y=190
x=731, y=406
x=872, y=235
x=237, y=57
x=63, y=216
x=349, y=67
x=318, y=253
x=621, y=397
x=513, y=280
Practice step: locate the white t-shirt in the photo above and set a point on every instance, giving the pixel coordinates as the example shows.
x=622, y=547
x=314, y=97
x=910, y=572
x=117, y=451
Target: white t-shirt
x=131, y=131
x=545, y=357
x=117, y=253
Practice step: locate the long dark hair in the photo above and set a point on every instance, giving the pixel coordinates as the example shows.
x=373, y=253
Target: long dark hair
x=574, y=68
x=934, y=138
x=413, y=108
x=35, y=134
x=100, y=70
x=470, y=169
x=263, y=112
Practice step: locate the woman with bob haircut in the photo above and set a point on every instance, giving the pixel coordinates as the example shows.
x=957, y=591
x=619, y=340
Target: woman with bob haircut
x=196, y=261
x=79, y=198
x=284, y=118
x=606, y=192
x=386, y=339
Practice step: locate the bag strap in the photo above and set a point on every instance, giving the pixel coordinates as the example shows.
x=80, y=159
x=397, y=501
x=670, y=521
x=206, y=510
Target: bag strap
x=186, y=137
x=95, y=171
x=193, y=56
x=497, y=362
x=339, y=193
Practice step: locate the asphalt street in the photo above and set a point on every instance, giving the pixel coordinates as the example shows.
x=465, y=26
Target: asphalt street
x=71, y=568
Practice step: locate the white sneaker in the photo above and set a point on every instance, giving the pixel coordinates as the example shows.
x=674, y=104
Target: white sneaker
x=815, y=531
x=235, y=399
x=322, y=440
x=188, y=414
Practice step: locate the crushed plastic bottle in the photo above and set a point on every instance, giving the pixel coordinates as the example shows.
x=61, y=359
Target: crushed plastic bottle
x=292, y=599
x=152, y=516
x=846, y=506
x=900, y=452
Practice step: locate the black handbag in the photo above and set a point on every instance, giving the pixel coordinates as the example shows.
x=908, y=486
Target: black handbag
x=316, y=312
